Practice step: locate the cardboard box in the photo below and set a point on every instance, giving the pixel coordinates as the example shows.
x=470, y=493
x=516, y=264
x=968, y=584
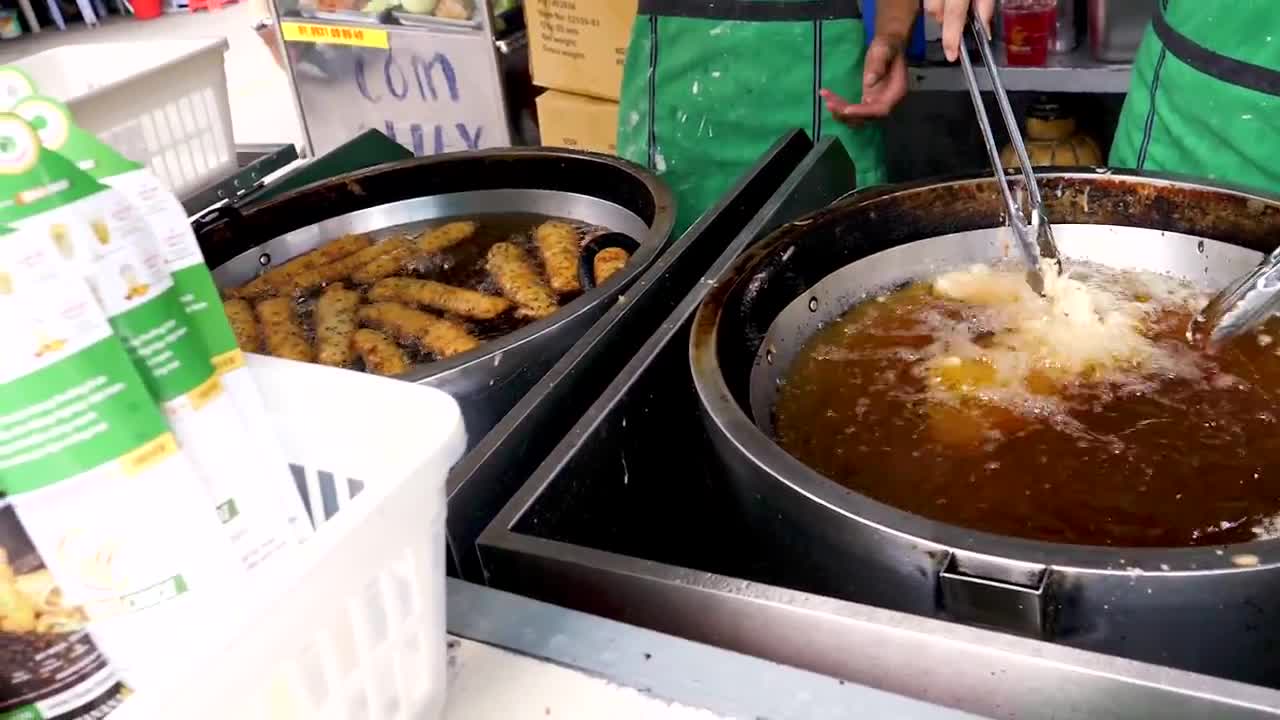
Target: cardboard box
x=578, y=122
x=579, y=46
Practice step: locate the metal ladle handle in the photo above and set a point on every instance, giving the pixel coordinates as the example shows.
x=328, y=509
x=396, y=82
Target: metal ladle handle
x=1033, y=232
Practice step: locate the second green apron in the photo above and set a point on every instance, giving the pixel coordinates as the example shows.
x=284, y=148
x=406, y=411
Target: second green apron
x=709, y=87
x=1205, y=99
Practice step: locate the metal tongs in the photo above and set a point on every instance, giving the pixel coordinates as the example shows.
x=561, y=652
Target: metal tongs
x=1241, y=306
x=1031, y=229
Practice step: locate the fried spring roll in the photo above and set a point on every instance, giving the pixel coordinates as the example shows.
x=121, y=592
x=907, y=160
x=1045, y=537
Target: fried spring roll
x=446, y=298
x=280, y=328
x=243, y=324
x=273, y=281
x=338, y=270
x=335, y=316
x=607, y=262
x=446, y=236
x=380, y=354
x=399, y=254
x=513, y=270
x=560, y=250
x=442, y=338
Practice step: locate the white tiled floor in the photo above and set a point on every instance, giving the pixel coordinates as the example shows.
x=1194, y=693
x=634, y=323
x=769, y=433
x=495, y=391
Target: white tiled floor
x=261, y=108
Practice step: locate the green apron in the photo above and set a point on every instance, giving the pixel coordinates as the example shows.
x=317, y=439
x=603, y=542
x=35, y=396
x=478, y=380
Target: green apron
x=710, y=86
x=1205, y=99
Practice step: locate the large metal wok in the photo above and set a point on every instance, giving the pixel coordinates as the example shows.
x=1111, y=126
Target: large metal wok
x=1206, y=609
x=489, y=380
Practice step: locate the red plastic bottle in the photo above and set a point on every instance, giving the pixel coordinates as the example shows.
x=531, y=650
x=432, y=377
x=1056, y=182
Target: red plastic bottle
x=1029, y=29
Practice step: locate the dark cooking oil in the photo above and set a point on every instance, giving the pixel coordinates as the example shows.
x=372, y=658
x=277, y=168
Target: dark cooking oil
x=1183, y=452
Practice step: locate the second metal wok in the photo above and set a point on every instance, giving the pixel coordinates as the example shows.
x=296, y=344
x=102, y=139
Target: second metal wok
x=1205, y=609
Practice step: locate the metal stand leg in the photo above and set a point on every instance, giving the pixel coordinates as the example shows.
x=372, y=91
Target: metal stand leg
x=30, y=15
x=86, y=12
x=56, y=13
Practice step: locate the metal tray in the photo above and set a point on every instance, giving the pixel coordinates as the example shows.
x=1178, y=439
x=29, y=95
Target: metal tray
x=626, y=518
x=487, y=476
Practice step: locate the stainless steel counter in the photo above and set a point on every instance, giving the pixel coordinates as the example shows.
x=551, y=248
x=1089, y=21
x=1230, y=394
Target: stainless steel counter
x=727, y=684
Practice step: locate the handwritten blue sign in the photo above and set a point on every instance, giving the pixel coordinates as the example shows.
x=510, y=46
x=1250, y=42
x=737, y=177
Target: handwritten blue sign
x=421, y=99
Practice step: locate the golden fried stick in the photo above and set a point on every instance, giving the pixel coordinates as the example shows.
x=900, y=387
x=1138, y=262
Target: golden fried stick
x=380, y=354
x=442, y=338
x=558, y=245
x=446, y=236
x=513, y=270
x=243, y=324
x=280, y=328
x=277, y=278
x=446, y=298
x=335, y=316
x=399, y=254
x=339, y=248
x=338, y=270
x=607, y=262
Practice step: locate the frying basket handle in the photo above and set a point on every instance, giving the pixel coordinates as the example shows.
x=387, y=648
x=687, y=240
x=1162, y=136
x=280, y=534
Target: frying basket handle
x=1011, y=598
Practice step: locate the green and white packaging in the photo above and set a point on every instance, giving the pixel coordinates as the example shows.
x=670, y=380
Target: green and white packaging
x=15, y=85
x=165, y=217
x=50, y=666
x=110, y=502
x=102, y=234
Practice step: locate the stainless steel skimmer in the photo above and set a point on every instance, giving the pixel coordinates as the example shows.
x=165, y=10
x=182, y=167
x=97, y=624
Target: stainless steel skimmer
x=1030, y=227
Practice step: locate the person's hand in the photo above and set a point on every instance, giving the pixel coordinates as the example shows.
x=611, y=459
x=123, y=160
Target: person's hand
x=954, y=16
x=884, y=84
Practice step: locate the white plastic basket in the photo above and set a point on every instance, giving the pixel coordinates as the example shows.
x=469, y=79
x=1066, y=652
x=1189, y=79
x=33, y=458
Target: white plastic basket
x=352, y=626
x=159, y=102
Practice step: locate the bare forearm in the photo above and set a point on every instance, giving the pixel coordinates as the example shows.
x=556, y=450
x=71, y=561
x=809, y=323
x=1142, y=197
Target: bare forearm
x=894, y=19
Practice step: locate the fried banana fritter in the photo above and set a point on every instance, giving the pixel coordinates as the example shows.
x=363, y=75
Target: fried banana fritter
x=279, y=280
x=335, y=322
x=440, y=337
x=446, y=236
x=561, y=252
x=339, y=270
x=518, y=278
x=380, y=353
x=400, y=252
x=280, y=328
x=438, y=296
x=243, y=324
x=607, y=262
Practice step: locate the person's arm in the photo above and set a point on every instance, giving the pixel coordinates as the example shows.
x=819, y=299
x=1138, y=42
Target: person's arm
x=884, y=75
x=894, y=19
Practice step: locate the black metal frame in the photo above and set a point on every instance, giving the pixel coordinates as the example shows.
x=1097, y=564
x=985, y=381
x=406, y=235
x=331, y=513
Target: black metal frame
x=255, y=163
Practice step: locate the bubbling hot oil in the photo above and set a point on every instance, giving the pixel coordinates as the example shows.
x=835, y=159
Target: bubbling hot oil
x=1081, y=417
